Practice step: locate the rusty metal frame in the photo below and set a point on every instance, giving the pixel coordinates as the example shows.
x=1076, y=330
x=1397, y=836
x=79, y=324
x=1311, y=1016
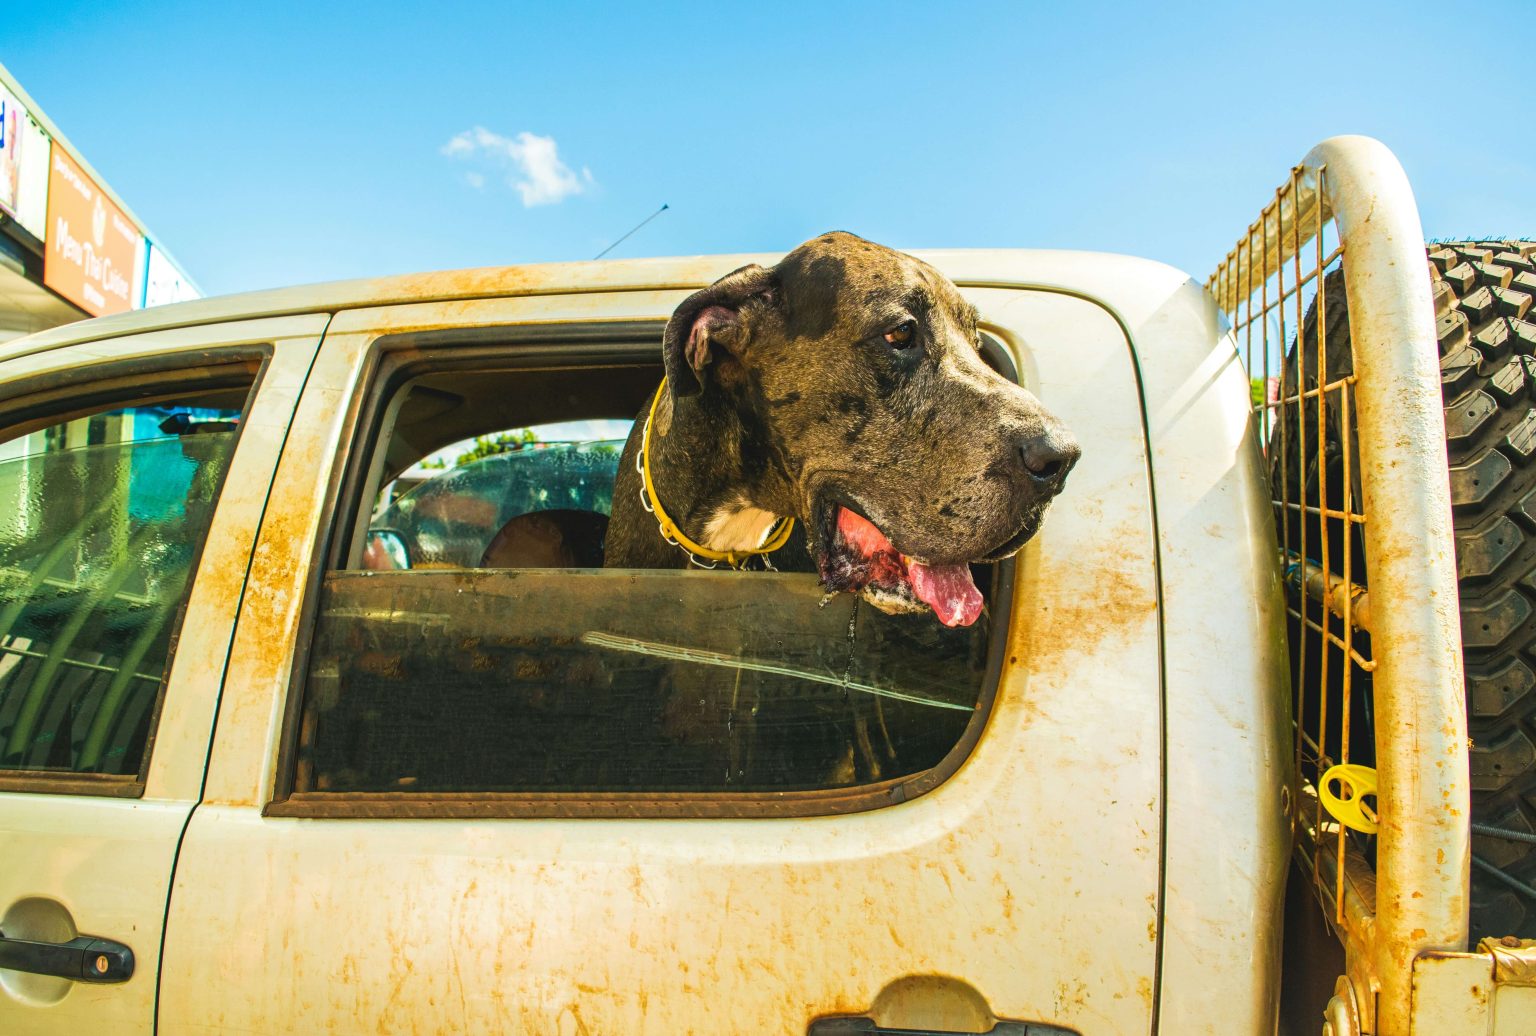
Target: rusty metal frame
x=395, y=358
x=30, y=403
x=1414, y=899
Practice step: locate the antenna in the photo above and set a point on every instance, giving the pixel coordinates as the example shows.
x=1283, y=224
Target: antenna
x=636, y=227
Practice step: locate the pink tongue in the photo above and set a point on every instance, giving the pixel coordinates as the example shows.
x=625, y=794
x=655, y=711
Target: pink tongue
x=862, y=535
x=948, y=590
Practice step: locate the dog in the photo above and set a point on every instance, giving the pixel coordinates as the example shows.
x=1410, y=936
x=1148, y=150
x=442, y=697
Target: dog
x=843, y=388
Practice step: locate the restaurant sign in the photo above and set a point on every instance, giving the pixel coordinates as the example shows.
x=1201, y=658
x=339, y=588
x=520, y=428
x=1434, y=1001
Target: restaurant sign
x=93, y=249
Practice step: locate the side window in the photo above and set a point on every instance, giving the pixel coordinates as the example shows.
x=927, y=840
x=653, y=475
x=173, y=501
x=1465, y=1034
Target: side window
x=104, y=516
x=469, y=642
x=535, y=497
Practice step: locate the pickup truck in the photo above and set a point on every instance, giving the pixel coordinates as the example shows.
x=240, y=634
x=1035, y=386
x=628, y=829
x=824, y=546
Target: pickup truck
x=302, y=734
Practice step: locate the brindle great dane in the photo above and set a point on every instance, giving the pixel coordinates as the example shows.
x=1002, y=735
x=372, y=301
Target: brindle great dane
x=842, y=387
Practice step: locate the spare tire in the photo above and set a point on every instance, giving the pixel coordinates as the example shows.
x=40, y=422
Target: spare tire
x=1486, y=326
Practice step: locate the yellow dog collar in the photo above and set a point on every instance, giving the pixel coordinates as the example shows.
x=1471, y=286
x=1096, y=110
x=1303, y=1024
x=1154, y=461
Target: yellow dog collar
x=777, y=537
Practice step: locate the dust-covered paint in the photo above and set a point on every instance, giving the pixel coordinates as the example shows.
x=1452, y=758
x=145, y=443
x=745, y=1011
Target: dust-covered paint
x=83, y=863
x=1012, y=877
x=1028, y=885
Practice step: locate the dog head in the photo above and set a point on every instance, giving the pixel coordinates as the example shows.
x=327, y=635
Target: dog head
x=857, y=368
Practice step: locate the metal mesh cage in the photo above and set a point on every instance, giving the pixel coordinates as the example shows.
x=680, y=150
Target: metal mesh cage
x=1303, y=394
x=1328, y=298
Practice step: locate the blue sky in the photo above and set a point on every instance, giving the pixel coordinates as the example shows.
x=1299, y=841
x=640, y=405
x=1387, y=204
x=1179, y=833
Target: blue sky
x=285, y=143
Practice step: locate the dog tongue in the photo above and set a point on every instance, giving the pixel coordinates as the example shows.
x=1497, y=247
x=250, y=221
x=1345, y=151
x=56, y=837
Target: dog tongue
x=862, y=534
x=947, y=589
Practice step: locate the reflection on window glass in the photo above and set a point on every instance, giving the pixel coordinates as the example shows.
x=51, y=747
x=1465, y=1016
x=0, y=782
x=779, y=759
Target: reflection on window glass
x=475, y=644
x=534, y=505
x=103, y=518
x=623, y=681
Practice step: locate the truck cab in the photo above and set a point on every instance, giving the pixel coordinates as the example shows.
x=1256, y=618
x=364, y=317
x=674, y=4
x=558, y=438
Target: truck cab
x=337, y=789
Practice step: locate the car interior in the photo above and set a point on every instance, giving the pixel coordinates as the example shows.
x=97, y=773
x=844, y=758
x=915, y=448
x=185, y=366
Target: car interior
x=534, y=528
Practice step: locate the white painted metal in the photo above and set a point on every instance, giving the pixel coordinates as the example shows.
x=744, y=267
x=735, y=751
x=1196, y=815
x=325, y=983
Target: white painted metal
x=1031, y=877
x=1036, y=874
x=79, y=863
x=1228, y=749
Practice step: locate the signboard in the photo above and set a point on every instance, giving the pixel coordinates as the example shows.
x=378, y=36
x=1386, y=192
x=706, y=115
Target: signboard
x=93, y=249
x=165, y=283
x=23, y=166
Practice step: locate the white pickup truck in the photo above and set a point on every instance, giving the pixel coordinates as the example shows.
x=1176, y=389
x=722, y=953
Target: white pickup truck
x=302, y=734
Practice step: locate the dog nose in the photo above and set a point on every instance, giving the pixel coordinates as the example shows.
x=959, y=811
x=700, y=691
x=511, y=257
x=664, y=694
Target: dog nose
x=1049, y=458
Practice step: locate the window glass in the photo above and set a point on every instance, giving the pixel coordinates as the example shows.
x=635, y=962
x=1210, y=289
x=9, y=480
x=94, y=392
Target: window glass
x=103, y=518
x=625, y=680
x=474, y=642
x=502, y=501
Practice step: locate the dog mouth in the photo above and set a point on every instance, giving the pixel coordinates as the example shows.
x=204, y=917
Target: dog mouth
x=857, y=557
x=1016, y=542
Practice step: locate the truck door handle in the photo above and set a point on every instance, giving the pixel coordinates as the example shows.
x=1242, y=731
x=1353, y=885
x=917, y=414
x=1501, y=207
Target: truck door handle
x=83, y=959
x=848, y=1025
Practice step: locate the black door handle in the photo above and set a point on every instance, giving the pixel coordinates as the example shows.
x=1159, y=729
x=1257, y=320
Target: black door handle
x=84, y=959
x=848, y=1025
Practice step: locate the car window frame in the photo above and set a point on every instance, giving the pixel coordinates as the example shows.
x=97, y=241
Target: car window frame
x=36, y=401
x=393, y=359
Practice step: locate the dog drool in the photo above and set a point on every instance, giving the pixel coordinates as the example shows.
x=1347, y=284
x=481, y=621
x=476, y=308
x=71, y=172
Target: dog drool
x=947, y=589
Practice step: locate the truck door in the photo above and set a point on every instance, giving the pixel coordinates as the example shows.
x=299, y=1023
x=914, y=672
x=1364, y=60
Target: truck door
x=465, y=781
x=133, y=473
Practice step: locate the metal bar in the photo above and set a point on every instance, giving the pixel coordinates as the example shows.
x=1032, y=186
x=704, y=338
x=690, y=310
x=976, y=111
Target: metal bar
x=1354, y=606
x=1498, y=873
x=1318, y=755
x=1324, y=494
x=1282, y=197
x=1489, y=831
x=1346, y=706
x=1360, y=660
x=1423, y=844
x=8, y=649
x=1331, y=512
x=1318, y=391
x=1298, y=203
x=1338, y=594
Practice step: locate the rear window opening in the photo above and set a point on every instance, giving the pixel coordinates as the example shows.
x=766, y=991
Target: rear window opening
x=470, y=652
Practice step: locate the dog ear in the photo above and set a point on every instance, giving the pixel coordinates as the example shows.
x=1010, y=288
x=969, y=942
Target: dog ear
x=709, y=317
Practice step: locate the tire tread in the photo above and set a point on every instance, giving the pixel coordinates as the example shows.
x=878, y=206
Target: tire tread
x=1491, y=285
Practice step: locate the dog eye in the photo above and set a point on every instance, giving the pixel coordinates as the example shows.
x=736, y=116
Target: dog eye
x=900, y=336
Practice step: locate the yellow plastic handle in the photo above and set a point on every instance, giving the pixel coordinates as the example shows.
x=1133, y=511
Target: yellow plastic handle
x=1348, y=806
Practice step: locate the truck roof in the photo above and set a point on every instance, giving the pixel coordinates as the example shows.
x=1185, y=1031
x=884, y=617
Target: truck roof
x=1101, y=276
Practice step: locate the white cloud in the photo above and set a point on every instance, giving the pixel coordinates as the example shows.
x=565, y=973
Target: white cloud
x=536, y=172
